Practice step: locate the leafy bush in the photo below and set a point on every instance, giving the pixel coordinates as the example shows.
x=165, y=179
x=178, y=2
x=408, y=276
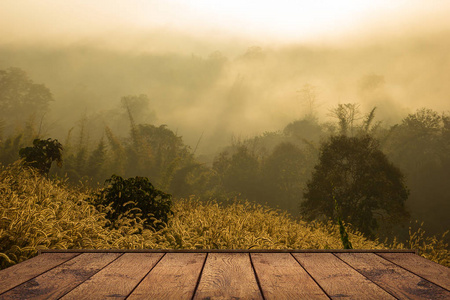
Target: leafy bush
x=134, y=198
x=42, y=154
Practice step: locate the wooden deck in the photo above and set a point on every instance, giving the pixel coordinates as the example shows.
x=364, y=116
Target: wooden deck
x=226, y=274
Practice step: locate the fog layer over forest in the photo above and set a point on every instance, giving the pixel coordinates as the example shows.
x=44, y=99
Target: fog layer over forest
x=217, y=96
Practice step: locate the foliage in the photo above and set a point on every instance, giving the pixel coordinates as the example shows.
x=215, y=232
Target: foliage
x=96, y=162
x=270, y=169
x=135, y=198
x=42, y=154
x=165, y=152
x=367, y=187
x=155, y=152
x=420, y=146
x=344, y=235
x=9, y=149
x=284, y=173
x=20, y=96
x=38, y=213
x=241, y=174
x=307, y=130
x=351, y=122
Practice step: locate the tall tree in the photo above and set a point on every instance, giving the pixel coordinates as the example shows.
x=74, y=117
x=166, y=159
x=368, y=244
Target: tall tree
x=367, y=187
x=20, y=96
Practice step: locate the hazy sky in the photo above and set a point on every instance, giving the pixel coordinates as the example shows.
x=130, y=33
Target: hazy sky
x=261, y=21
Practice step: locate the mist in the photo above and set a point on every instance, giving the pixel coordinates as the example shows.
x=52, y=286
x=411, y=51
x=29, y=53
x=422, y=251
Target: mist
x=237, y=92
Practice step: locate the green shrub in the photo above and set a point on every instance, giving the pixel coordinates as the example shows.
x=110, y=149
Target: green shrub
x=134, y=198
x=42, y=154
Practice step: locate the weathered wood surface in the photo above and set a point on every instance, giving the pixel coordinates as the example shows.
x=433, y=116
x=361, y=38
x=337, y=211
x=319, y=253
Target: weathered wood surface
x=226, y=275
x=281, y=277
x=338, y=279
x=31, y=268
x=60, y=280
x=175, y=277
x=118, y=279
x=394, y=279
x=429, y=270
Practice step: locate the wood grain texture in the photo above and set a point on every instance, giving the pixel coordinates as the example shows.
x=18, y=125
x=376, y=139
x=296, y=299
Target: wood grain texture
x=228, y=276
x=118, y=279
x=399, y=282
x=60, y=280
x=19, y=273
x=174, y=277
x=281, y=277
x=425, y=268
x=338, y=279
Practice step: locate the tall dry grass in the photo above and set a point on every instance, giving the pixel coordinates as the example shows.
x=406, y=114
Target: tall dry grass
x=39, y=213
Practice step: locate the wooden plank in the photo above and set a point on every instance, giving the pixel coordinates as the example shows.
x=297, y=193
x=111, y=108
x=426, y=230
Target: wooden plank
x=174, y=277
x=228, y=276
x=24, y=271
x=399, y=282
x=281, y=277
x=61, y=279
x=338, y=279
x=423, y=267
x=118, y=279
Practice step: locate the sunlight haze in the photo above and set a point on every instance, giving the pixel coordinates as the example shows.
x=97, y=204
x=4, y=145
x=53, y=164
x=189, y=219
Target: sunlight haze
x=262, y=21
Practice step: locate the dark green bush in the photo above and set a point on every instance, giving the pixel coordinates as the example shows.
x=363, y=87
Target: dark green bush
x=135, y=198
x=42, y=154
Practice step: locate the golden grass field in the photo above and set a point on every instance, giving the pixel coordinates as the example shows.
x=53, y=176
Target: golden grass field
x=39, y=213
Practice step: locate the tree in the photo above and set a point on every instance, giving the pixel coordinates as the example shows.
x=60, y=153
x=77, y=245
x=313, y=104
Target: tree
x=418, y=141
x=352, y=122
x=239, y=173
x=367, y=187
x=420, y=146
x=42, y=154
x=306, y=130
x=284, y=175
x=308, y=97
x=95, y=166
x=347, y=114
x=20, y=96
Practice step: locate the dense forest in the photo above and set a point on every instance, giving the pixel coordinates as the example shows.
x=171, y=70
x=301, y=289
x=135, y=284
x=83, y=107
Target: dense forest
x=379, y=176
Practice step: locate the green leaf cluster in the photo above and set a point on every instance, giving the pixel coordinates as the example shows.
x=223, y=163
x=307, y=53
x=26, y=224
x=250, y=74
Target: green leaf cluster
x=135, y=198
x=42, y=154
